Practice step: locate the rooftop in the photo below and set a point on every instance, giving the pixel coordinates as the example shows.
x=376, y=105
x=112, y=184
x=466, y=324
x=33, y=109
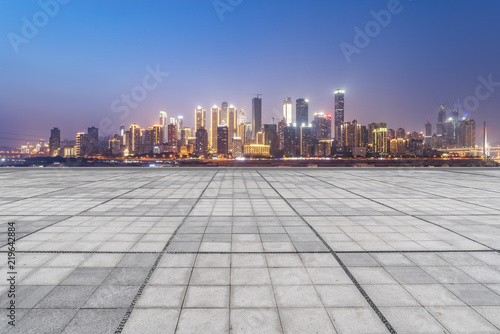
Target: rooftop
x=279, y=250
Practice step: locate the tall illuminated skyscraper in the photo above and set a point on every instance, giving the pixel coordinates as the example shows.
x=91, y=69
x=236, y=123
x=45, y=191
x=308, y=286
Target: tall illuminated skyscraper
x=302, y=112
x=339, y=112
x=222, y=140
x=231, y=124
x=82, y=140
x=256, y=115
x=288, y=110
x=164, y=124
x=214, y=125
x=242, y=118
x=200, y=116
x=224, y=114
x=55, y=141
x=440, y=129
x=134, y=139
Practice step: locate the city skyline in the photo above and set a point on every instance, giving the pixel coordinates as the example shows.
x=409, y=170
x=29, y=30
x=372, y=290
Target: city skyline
x=72, y=73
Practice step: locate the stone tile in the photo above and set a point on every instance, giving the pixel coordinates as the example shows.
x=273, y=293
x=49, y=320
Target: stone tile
x=87, y=276
x=356, y=320
x=358, y=260
x=410, y=275
x=210, y=276
x=39, y=321
x=475, y=294
x=126, y=276
x=412, y=320
x=112, y=297
x=66, y=297
x=203, y=321
x=207, y=297
x=250, y=276
x=252, y=296
x=297, y=296
x=161, y=297
x=255, y=321
x=340, y=295
x=96, y=321
x=306, y=320
x=462, y=320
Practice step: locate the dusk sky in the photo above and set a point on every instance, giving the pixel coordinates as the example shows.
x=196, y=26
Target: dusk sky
x=69, y=72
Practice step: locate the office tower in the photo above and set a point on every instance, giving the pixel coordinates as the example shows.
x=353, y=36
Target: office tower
x=231, y=124
x=302, y=112
x=289, y=141
x=180, y=125
x=352, y=136
x=213, y=129
x=321, y=126
x=400, y=133
x=222, y=140
x=281, y=134
x=242, y=132
x=93, y=134
x=122, y=130
x=391, y=134
x=305, y=140
x=164, y=125
x=157, y=138
x=468, y=133
x=223, y=116
x=380, y=140
x=440, y=127
x=185, y=134
x=134, y=139
x=339, y=112
x=242, y=117
x=200, y=116
x=271, y=138
x=201, y=141
x=248, y=130
x=172, y=135
x=237, y=147
x=115, y=146
x=260, y=138
x=147, y=142
x=288, y=110
x=55, y=141
x=398, y=146
x=81, y=143
x=256, y=115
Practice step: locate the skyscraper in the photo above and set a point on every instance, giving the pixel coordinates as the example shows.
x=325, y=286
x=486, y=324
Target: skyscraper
x=468, y=133
x=222, y=140
x=200, y=116
x=302, y=112
x=289, y=141
x=321, y=126
x=242, y=118
x=231, y=124
x=215, y=124
x=350, y=136
x=440, y=128
x=81, y=146
x=428, y=132
x=256, y=115
x=271, y=138
x=201, y=141
x=93, y=146
x=339, y=112
x=134, y=139
x=164, y=124
x=305, y=140
x=223, y=114
x=172, y=135
x=380, y=140
x=288, y=110
x=55, y=141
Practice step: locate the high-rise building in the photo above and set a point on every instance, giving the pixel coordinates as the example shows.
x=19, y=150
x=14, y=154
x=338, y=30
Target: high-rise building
x=289, y=141
x=468, y=133
x=242, y=132
x=302, y=112
x=222, y=140
x=55, y=141
x=321, y=126
x=172, y=135
x=223, y=116
x=180, y=125
x=93, y=134
x=82, y=141
x=428, y=132
x=271, y=138
x=288, y=110
x=200, y=116
x=305, y=140
x=201, y=141
x=237, y=147
x=242, y=118
x=231, y=124
x=164, y=125
x=350, y=136
x=440, y=126
x=281, y=134
x=122, y=130
x=400, y=133
x=213, y=129
x=157, y=138
x=380, y=140
x=339, y=112
x=256, y=115
x=134, y=139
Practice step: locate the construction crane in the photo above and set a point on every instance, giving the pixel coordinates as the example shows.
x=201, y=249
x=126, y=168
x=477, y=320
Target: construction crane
x=256, y=94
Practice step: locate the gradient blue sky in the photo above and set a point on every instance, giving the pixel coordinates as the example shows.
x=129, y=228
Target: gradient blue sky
x=92, y=51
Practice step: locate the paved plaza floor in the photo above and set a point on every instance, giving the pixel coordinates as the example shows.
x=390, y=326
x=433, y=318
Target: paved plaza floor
x=173, y=250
